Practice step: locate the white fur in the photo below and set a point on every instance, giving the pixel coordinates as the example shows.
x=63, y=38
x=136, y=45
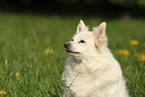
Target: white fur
x=97, y=73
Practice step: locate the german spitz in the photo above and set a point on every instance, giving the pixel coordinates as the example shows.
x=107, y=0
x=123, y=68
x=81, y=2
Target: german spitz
x=91, y=70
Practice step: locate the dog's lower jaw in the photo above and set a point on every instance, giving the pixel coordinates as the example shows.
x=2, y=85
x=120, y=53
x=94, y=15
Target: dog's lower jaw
x=79, y=57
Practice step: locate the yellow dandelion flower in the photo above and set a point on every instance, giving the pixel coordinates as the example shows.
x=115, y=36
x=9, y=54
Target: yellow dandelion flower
x=3, y=92
x=123, y=52
x=17, y=75
x=49, y=51
x=43, y=66
x=140, y=56
x=134, y=42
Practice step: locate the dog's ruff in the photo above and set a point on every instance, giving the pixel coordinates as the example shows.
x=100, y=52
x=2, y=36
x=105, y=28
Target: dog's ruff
x=96, y=73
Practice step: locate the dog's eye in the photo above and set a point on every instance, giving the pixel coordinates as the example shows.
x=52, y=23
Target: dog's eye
x=82, y=41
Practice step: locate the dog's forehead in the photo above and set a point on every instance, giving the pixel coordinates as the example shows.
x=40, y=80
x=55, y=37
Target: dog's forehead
x=83, y=35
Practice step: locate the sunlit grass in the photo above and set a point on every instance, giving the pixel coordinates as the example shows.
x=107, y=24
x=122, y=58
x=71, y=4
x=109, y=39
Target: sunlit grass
x=32, y=55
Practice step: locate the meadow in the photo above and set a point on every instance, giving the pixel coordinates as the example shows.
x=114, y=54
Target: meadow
x=32, y=55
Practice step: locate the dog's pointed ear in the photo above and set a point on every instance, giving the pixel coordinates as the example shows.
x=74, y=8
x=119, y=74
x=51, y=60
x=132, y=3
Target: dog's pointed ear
x=100, y=33
x=81, y=27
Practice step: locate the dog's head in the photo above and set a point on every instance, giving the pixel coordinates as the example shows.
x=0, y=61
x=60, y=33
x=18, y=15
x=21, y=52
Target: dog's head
x=85, y=43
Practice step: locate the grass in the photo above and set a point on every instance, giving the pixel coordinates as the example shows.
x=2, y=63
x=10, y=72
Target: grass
x=24, y=39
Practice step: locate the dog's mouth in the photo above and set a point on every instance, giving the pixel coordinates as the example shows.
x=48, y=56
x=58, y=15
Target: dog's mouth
x=72, y=52
x=77, y=55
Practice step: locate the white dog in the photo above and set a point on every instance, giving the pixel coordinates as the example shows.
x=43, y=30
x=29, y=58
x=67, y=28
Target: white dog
x=92, y=71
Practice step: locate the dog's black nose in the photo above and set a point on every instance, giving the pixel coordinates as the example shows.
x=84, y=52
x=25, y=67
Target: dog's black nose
x=66, y=45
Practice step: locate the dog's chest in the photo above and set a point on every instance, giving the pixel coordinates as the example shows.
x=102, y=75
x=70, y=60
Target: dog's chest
x=80, y=78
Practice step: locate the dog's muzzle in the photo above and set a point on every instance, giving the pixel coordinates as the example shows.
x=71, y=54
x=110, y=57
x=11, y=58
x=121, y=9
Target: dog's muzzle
x=77, y=55
x=67, y=46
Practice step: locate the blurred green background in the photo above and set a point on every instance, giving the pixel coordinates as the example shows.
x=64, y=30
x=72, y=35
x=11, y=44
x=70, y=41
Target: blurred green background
x=32, y=34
